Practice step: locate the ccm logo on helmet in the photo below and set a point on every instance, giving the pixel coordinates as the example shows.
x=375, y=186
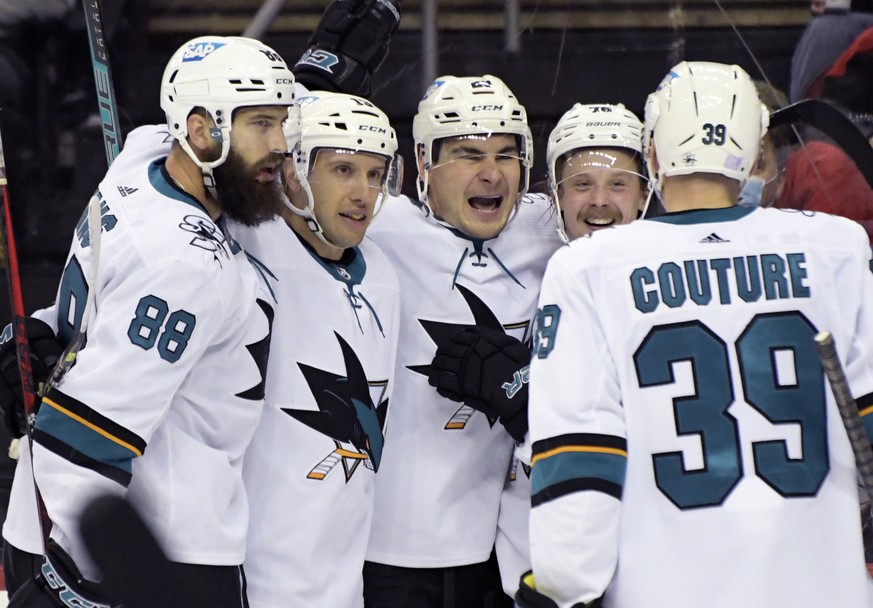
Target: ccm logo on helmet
x=372, y=128
x=487, y=108
x=198, y=51
x=284, y=81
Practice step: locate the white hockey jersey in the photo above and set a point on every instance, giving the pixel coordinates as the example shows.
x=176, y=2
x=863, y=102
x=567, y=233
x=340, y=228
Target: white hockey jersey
x=168, y=389
x=444, y=468
x=687, y=450
x=310, y=469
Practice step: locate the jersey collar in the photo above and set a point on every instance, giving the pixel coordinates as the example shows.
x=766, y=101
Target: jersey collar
x=704, y=216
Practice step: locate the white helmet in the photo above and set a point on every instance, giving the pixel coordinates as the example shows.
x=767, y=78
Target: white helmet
x=221, y=74
x=704, y=118
x=337, y=121
x=590, y=126
x=475, y=105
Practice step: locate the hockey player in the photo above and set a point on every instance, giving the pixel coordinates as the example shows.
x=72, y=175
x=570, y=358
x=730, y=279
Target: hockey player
x=471, y=250
x=595, y=176
x=682, y=426
x=311, y=467
x=168, y=389
x=595, y=169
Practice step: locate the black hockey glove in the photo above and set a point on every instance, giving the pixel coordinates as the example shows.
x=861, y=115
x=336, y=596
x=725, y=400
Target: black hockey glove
x=487, y=370
x=45, y=350
x=528, y=596
x=349, y=44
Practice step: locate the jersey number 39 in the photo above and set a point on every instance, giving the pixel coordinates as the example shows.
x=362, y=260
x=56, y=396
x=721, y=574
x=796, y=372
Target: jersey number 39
x=705, y=413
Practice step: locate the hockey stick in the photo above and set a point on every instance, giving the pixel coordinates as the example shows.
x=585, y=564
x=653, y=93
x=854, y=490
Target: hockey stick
x=834, y=124
x=111, y=140
x=13, y=282
x=22, y=346
x=858, y=438
x=103, y=79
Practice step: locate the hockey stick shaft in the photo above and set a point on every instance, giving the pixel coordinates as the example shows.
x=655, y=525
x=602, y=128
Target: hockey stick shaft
x=858, y=438
x=13, y=281
x=103, y=78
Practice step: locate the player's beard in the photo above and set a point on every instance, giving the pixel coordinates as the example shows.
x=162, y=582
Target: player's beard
x=244, y=198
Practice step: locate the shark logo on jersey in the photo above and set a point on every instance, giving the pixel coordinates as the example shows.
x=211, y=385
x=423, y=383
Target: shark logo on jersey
x=260, y=352
x=206, y=235
x=346, y=414
x=513, y=469
x=441, y=333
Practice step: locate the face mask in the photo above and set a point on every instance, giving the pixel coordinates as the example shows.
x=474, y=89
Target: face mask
x=752, y=192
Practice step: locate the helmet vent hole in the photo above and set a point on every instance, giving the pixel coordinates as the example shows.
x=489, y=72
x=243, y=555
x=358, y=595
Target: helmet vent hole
x=360, y=141
x=236, y=81
x=260, y=82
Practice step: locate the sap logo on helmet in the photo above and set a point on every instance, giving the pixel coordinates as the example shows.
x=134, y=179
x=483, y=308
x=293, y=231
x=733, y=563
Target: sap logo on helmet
x=487, y=108
x=200, y=50
x=689, y=159
x=481, y=84
x=433, y=87
x=372, y=128
x=596, y=109
x=667, y=80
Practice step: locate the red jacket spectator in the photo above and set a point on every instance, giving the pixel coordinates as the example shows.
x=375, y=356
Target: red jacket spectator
x=832, y=184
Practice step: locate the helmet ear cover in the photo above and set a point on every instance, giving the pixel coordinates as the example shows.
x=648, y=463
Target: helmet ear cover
x=704, y=118
x=454, y=107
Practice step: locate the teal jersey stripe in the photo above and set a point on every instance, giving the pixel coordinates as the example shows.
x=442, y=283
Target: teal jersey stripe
x=83, y=439
x=567, y=466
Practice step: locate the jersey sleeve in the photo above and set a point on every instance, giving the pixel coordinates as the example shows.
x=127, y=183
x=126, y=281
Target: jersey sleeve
x=579, y=451
x=150, y=329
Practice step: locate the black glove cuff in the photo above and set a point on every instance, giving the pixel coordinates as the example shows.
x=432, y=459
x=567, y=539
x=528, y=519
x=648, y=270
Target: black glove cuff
x=515, y=423
x=321, y=70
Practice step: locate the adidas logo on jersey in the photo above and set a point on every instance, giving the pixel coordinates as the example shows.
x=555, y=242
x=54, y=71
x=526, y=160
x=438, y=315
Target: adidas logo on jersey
x=713, y=238
x=125, y=190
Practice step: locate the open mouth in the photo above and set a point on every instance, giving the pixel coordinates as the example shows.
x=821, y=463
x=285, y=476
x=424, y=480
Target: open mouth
x=600, y=218
x=267, y=173
x=599, y=222
x=358, y=216
x=485, y=204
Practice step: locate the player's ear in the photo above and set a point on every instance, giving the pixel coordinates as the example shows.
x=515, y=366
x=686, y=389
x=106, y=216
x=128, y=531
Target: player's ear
x=199, y=135
x=653, y=153
x=419, y=159
x=293, y=188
